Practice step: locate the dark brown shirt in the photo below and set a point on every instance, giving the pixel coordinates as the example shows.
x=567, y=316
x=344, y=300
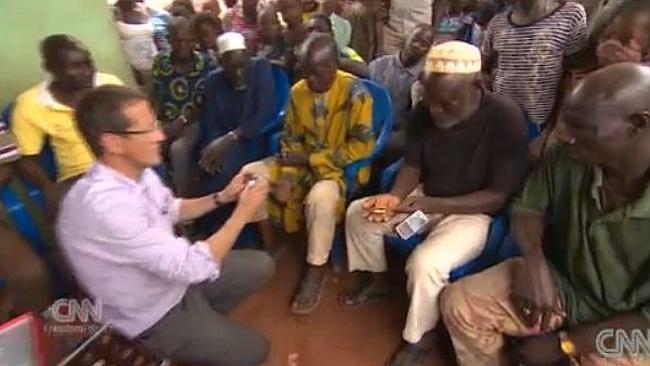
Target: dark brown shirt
x=486, y=151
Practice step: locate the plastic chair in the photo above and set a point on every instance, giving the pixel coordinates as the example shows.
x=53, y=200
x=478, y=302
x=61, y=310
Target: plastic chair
x=271, y=132
x=382, y=126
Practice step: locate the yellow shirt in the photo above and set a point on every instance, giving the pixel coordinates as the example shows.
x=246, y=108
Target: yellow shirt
x=334, y=129
x=37, y=116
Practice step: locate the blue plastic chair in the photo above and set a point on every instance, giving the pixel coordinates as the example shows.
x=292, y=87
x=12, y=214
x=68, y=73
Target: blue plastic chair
x=271, y=132
x=382, y=127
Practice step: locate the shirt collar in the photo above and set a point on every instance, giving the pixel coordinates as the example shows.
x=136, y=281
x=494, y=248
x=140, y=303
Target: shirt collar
x=46, y=98
x=413, y=70
x=102, y=170
x=639, y=208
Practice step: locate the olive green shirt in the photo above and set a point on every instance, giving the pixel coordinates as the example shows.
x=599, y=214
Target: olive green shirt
x=600, y=261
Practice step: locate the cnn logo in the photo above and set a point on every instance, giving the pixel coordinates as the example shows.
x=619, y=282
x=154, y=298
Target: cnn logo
x=71, y=310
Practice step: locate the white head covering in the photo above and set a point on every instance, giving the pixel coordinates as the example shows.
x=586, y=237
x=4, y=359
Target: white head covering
x=453, y=57
x=230, y=41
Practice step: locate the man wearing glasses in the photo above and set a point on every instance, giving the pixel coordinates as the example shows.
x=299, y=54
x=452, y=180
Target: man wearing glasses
x=116, y=230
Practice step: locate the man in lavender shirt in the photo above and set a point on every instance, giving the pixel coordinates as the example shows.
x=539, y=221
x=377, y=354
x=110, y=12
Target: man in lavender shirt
x=116, y=230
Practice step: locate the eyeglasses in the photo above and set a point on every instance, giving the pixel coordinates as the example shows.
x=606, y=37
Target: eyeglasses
x=156, y=127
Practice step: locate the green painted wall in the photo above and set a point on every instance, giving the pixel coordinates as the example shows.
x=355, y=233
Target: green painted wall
x=24, y=23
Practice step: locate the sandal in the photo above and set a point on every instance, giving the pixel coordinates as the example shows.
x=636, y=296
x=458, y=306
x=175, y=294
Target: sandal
x=309, y=296
x=363, y=295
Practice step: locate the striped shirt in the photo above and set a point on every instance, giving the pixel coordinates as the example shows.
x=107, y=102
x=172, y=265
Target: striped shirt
x=8, y=149
x=529, y=58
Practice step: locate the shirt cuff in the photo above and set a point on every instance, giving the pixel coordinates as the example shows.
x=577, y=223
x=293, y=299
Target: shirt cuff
x=203, y=248
x=174, y=210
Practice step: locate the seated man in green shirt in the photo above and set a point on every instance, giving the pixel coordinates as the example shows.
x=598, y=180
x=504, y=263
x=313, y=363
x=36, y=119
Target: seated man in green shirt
x=583, y=225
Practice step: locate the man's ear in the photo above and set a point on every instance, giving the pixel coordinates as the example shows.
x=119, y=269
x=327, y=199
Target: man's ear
x=639, y=121
x=110, y=143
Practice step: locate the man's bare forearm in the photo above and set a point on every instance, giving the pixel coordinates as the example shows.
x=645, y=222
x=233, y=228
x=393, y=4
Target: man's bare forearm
x=192, y=208
x=29, y=167
x=223, y=240
x=407, y=179
x=528, y=231
x=6, y=173
x=480, y=202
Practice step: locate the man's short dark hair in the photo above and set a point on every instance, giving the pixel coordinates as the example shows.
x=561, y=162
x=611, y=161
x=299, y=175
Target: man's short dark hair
x=203, y=18
x=102, y=110
x=322, y=17
x=316, y=41
x=53, y=47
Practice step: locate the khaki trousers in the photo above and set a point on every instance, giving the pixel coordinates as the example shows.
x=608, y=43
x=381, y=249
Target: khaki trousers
x=453, y=241
x=478, y=313
x=320, y=205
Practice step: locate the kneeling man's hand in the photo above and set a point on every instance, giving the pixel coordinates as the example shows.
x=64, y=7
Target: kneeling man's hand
x=252, y=199
x=234, y=188
x=380, y=208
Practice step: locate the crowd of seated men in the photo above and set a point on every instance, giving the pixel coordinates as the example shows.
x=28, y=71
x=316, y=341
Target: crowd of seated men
x=482, y=127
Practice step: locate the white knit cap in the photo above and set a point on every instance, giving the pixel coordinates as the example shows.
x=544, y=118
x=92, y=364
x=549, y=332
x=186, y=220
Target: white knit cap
x=453, y=57
x=230, y=41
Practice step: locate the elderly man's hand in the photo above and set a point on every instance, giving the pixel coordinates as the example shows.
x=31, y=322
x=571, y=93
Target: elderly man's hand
x=534, y=295
x=380, y=208
x=213, y=155
x=282, y=191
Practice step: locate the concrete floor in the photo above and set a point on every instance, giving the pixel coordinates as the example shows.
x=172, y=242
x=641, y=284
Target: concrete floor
x=333, y=335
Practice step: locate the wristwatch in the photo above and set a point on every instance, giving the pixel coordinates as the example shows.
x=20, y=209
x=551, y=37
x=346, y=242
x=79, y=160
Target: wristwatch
x=566, y=344
x=216, y=199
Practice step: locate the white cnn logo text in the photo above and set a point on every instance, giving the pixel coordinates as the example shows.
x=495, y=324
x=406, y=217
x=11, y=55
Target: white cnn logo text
x=617, y=343
x=71, y=310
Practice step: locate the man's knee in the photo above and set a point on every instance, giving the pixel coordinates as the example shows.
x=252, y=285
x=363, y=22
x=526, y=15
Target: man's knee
x=258, y=168
x=451, y=301
x=325, y=194
x=421, y=266
x=255, y=349
x=354, y=219
x=260, y=266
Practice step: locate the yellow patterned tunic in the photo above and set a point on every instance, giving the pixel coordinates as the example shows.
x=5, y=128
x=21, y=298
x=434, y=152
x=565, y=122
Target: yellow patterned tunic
x=334, y=129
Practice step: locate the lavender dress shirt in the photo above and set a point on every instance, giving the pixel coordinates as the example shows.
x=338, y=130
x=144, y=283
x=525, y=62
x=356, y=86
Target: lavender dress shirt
x=117, y=235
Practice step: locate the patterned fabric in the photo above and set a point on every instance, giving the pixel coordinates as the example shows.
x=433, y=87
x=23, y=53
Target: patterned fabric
x=234, y=21
x=334, y=129
x=8, y=149
x=528, y=59
x=177, y=93
x=478, y=314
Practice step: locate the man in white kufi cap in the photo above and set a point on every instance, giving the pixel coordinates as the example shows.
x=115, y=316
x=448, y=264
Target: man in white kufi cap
x=239, y=101
x=465, y=157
